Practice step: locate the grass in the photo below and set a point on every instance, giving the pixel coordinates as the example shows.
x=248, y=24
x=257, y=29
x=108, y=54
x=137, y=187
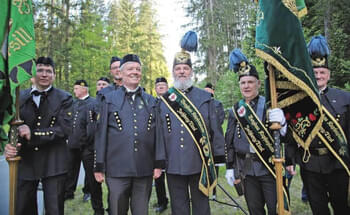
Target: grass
x=77, y=207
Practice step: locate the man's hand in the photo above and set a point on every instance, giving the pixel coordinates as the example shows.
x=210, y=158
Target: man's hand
x=99, y=176
x=277, y=115
x=24, y=131
x=230, y=177
x=157, y=173
x=11, y=151
x=291, y=170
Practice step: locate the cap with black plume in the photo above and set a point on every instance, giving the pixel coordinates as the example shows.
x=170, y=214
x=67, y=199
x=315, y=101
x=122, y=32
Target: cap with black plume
x=239, y=63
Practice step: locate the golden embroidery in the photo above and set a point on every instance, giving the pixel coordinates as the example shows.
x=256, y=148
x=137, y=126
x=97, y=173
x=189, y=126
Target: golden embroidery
x=250, y=133
x=22, y=5
x=291, y=5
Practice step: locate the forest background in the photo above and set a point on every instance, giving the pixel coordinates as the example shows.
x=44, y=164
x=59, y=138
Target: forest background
x=82, y=35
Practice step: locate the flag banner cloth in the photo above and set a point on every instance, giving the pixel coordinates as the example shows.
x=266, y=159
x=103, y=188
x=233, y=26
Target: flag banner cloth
x=17, y=64
x=280, y=42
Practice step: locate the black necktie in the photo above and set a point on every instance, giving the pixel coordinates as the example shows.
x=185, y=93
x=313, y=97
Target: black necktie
x=37, y=93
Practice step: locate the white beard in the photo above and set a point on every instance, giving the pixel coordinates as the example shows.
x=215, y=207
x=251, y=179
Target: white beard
x=183, y=85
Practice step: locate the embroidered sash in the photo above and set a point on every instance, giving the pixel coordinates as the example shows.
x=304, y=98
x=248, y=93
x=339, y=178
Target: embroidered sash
x=259, y=139
x=192, y=119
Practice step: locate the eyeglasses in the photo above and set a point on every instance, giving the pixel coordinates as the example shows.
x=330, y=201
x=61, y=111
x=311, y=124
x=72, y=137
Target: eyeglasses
x=48, y=71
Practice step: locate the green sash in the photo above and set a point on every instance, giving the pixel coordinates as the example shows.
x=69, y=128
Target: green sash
x=192, y=119
x=260, y=139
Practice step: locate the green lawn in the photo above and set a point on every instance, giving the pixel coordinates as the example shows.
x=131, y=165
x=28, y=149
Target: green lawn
x=76, y=206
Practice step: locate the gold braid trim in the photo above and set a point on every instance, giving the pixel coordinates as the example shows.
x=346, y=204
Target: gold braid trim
x=286, y=85
x=292, y=99
x=270, y=59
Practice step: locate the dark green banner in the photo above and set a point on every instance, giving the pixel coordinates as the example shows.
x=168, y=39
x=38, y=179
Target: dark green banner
x=17, y=63
x=280, y=42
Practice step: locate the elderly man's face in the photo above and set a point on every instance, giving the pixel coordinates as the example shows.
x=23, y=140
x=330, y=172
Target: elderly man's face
x=161, y=88
x=131, y=74
x=182, y=72
x=249, y=86
x=44, y=76
x=322, y=76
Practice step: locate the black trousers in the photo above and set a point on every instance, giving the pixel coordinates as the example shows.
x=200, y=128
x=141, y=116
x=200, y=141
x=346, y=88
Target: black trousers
x=135, y=191
x=53, y=189
x=160, y=190
x=74, y=161
x=179, y=188
x=324, y=188
x=258, y=191
x=86, y=155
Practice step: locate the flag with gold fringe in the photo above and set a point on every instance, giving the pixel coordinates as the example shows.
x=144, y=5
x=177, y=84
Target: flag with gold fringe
x=280, y=42
x=17, y=64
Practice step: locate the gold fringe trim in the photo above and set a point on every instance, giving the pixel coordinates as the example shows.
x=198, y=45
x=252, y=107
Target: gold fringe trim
x=270, y=59
x=302, y=12
x=286, y=85
x=292, y=99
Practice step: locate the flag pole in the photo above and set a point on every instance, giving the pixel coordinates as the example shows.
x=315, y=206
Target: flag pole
x=13, y=162
x=275, y=126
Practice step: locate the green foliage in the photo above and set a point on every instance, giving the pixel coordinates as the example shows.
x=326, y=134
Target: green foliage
x=331, y=19
x=81, y=36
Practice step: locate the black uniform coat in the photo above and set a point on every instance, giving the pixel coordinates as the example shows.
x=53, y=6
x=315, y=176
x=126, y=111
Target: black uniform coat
x=125, y=136
x=46, y=153
x=337, y=102
x=220, y=111
x=81, y=117
x=182, y=154
x=238, y=146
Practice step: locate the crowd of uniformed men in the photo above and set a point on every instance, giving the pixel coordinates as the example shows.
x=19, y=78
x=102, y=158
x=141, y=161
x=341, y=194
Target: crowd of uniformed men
x=126, y=138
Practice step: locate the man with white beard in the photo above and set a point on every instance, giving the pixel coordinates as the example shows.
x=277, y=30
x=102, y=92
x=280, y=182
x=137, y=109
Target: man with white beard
x=192, y=137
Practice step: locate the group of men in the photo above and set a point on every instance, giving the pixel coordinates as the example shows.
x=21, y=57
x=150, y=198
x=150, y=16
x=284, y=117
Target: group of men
x=126, y=138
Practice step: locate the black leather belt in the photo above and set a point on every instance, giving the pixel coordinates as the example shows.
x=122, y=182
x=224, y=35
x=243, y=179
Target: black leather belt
x=319, y=151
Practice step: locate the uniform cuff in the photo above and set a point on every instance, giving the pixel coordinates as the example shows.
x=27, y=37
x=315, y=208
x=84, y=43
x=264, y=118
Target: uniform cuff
x=99, y=167
x=160, y=164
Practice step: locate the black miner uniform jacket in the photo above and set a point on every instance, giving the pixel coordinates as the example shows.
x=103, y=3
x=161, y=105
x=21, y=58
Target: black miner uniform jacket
x=238, y=152
x=337, y=102
x=81, y=138
x=182, y=154
x=46, y=153
x=125, y=137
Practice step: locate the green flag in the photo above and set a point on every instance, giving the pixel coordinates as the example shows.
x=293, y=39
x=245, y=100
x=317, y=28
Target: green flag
x=280, y=42
x=17, y=63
